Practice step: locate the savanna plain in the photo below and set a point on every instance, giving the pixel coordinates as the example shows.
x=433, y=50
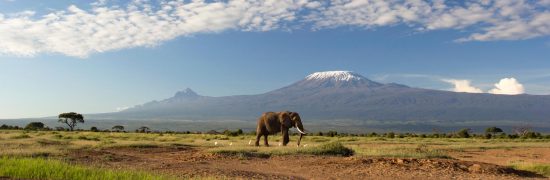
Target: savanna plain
x=123, y=155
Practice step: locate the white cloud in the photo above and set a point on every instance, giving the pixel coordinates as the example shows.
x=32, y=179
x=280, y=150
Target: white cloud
x=122, y=108
x=77, y=32
x=461, y=85
x=80, y=32
x=509, y=86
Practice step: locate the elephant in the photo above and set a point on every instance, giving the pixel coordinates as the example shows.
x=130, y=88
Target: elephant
x=275, y=122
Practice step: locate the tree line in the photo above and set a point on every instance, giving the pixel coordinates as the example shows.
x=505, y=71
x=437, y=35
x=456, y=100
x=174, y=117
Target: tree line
x=72, y=119
x=490, y=133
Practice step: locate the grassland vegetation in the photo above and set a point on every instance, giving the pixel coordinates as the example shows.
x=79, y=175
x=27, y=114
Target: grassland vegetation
x=543, y=169
x=51, y=146
x=40, y=168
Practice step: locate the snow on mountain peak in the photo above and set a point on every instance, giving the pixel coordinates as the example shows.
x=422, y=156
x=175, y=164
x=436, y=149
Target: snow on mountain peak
x=335, y=75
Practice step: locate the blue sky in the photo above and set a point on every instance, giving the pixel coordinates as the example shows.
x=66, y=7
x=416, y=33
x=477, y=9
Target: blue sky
x=58, y=56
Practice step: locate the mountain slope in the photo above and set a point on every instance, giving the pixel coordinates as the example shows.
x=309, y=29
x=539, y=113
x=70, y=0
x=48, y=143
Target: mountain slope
x=347, y=95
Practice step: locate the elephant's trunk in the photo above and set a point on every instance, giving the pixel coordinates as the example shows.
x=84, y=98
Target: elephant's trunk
x=300, y=127
x=300, y=139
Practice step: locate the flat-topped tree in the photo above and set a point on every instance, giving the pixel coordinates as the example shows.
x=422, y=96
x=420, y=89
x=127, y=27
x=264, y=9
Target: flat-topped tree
x=493, y=130
x=71, y=119
x=118, y=128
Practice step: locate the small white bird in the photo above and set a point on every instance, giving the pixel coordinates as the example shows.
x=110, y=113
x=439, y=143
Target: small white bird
x=216, y=143
x=305, y=145
x=249, y=142
x=280, y=144
x=231, y=144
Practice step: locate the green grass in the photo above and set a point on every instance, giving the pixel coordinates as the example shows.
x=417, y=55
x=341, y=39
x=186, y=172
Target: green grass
x=398, y=151
x=39, y=168
x=543, y=169
x=55, y=144
x=241, y=153
x=327, y=149
x=21, y=136
x=332, y=148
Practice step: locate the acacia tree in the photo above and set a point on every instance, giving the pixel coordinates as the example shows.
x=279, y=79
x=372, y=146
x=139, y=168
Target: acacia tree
x=71, y=119
x=118, y=128
x=493, y=130
x=143, y=129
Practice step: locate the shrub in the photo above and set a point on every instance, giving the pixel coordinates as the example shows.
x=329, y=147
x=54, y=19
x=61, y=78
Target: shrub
x=390, y=135
x=233, y=133
x=332, y=133
x=532, y=135
x=94, y=129
x=463, y=133
x=332, y=148
x=60, y=129
x=319, y=133
x=35, y=126
x=373, y=134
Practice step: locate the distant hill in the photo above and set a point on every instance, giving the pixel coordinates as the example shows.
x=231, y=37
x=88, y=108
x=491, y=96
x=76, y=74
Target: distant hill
x=343, y=95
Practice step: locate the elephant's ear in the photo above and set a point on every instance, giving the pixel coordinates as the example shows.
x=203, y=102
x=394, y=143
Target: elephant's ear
x=294, y=116
x=285, y=120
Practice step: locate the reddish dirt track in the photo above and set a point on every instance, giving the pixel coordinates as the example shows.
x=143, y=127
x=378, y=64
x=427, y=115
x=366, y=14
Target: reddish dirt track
x=195, y=162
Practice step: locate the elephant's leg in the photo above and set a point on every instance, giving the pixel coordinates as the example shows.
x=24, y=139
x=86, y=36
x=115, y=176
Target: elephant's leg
x=258, y=136
x=286, y=139
x=265, y=140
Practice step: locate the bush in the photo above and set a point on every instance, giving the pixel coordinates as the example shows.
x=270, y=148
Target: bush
x=35, y=126
x=332, y=133
x=8, y=127
x=390, y=135
x=233, y=133
x=332, y=148
x=319, y=133
x=60, y=129
x=463, y=133
x=373, y=134
x=532, y=135
x=94, y=129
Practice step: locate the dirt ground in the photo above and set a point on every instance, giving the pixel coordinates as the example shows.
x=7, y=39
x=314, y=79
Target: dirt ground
x=505, y=156
x=187, y=161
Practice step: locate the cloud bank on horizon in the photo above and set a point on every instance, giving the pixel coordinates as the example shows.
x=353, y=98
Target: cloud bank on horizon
x=79, y=32
x=506, y=86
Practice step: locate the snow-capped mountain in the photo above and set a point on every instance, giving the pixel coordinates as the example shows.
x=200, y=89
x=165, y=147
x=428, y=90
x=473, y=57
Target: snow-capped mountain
x=335, y=76
x=347, y=95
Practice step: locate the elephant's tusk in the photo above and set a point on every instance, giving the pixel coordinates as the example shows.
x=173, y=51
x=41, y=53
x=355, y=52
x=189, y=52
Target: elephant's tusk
x=300, y=130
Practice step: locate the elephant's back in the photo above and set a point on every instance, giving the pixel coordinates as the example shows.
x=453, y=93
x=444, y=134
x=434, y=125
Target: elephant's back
x=270, y=121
